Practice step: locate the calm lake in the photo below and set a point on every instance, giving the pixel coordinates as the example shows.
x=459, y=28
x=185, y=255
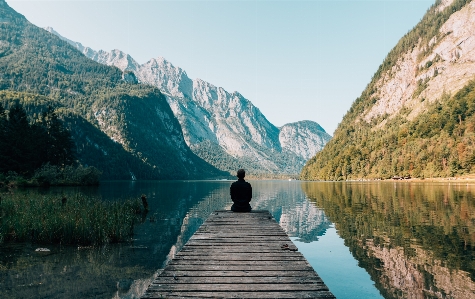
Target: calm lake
x=366, y=240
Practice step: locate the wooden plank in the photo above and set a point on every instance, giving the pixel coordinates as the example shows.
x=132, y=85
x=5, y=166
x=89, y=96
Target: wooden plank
x=239, y=279
x=280, y=263
x=200, y=273
x=270, y=267
x=247, y=295
x=241, y=257
x=238, y=255
x=196, y=295
x=234, y=287
x=230, y=249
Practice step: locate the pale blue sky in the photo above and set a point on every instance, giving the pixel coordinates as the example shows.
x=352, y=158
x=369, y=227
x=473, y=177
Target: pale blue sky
x=295, y=60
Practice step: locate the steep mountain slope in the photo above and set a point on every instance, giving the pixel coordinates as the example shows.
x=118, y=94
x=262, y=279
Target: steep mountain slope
x=416, y=116
x=136, y=117
x=223, y=128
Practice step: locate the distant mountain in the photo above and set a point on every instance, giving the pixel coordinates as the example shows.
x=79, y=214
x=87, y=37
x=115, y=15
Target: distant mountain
x=417, y=115
x=225, y=129
x=127, y=130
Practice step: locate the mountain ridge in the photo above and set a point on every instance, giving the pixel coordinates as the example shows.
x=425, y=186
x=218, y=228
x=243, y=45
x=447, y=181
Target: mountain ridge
x=239, y=131
x=136, y=116
x=416, y=116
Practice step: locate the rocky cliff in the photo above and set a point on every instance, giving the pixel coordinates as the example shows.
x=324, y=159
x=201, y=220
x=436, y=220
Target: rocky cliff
x=417, y=115
x=223, y=128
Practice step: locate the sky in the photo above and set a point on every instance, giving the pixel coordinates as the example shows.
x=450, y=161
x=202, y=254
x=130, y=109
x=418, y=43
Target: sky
x=294, y=60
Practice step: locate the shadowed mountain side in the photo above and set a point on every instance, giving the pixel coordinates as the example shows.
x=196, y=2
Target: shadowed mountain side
x=136, y=117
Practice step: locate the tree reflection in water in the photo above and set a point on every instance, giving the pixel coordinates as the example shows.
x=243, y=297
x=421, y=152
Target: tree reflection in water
x=416, y=240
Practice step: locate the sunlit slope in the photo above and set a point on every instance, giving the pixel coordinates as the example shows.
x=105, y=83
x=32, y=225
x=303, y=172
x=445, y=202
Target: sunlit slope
x=135, y=118
x=416, y=116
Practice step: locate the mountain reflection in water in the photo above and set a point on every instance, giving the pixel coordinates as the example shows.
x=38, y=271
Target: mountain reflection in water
x=415, y=240
x=412, y=240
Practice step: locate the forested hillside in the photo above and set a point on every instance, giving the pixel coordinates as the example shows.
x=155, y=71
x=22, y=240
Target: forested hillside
x=409, y=121
x=124, y=129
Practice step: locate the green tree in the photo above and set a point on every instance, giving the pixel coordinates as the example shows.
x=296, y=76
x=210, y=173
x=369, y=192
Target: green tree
x=18, y=152
x=59, y=150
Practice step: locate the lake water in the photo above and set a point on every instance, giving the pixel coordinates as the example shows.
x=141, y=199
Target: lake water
x=366, y=240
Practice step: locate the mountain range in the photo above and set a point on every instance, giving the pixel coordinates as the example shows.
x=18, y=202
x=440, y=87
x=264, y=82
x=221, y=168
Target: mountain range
x=417, y=115
x=126, y=130
x=225, y=129
x=145, y=121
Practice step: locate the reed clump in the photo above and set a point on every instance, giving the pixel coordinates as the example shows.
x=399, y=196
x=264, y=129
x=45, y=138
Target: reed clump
x=76, y=220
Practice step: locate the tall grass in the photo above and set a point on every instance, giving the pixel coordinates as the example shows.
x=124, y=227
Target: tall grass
x=78, y=220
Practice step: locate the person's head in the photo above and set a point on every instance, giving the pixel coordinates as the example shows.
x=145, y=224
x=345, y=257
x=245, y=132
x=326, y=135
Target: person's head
x=241, y=173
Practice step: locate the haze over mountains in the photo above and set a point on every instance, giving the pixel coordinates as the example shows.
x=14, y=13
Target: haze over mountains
x=223, y=128
x=417, y=115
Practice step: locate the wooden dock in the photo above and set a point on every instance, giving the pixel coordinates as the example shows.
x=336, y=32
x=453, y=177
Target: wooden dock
x=238, y=255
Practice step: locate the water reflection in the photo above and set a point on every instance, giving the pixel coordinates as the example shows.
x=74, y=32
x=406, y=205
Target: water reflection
x=412, y=240
x=415, y=240
x=177, y=209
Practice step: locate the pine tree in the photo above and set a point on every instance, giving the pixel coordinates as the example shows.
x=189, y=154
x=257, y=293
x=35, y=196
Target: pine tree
x=59, y=143
x=17, y=148
x=3, y=121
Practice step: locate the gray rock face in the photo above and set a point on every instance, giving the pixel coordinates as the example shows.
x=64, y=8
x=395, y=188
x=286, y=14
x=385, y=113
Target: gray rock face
x=223, y=128
x=445, y=65
x=304, y=138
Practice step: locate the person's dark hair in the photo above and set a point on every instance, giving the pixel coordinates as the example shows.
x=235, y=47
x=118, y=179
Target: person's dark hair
x=241, y=173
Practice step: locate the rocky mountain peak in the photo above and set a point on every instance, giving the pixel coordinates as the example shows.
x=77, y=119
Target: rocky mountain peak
x=304, y=138
x=171, y=80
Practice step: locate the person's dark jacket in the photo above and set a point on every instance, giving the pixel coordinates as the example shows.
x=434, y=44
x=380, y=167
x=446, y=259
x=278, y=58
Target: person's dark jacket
x=241, y=194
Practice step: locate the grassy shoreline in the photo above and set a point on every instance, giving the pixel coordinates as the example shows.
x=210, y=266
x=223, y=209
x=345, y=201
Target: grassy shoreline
x=80, y=220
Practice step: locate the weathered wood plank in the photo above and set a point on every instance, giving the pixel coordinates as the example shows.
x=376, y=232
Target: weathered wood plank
x=230, y=249
x=238, y=255
x=200, y=273
x=241, y=257
x=270, y=267
x=254, y=294
x=239, y=279
x=230, y=287
x=206, y=262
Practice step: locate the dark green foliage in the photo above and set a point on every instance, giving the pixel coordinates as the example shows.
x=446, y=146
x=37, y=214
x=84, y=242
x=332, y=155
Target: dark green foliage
x=437, y=143
x=68, y=175
x=26, y=147
x=59, y=150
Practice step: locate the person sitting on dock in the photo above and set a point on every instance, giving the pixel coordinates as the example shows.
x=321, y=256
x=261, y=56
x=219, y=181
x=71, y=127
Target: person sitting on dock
x=241, y=193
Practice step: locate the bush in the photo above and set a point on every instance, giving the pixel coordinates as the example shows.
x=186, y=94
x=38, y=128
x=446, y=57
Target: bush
x=68, y=175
